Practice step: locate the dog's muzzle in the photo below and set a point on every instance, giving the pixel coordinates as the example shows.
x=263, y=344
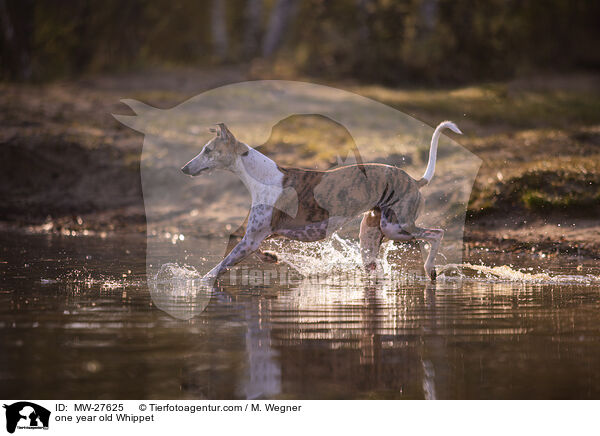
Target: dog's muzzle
x=186, y=170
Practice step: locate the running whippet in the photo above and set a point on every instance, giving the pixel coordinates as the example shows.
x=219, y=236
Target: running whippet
x=308, y=205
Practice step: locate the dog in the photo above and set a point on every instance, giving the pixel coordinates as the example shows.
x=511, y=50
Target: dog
x=309, y=205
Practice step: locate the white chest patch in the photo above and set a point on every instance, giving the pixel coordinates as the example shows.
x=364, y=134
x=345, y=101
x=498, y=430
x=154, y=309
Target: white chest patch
x=262, y=178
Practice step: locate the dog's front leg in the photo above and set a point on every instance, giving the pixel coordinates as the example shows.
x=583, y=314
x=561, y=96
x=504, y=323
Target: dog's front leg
x=256, y=232
x=248, y=245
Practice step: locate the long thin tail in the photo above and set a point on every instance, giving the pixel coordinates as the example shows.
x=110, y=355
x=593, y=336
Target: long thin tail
x=433, y=150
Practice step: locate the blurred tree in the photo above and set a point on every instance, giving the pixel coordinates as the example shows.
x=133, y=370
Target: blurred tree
x=281, y=15
x=371, y=40
x=252, y=27
x=17, y=26
x=219, y=30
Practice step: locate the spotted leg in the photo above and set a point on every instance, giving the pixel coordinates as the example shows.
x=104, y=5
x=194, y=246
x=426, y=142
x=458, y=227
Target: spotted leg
x=370, y=239
x=238, y=235
x=257, y=230
x=406, y=232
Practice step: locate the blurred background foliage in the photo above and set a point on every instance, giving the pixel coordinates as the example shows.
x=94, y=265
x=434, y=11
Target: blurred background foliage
x=384, y=41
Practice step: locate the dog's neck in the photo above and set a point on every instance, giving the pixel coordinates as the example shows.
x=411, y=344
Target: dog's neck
x=259, y=173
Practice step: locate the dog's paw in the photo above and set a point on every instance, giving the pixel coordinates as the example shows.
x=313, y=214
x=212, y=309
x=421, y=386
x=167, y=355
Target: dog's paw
x=207, y=280
x=371, y=267
x=268, y=257
x=433, y=274
x=211, y=276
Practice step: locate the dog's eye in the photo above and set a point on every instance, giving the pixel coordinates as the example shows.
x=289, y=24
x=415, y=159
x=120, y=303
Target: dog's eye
x=207, y=150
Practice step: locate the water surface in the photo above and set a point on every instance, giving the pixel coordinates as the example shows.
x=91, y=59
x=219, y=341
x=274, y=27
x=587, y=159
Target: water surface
x=77, y=321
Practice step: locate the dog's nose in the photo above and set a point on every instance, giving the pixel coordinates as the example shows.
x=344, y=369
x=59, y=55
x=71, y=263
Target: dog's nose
x=186, y=170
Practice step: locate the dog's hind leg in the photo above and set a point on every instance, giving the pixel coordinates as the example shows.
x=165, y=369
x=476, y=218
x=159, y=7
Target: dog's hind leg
x=370, y=238
x=406, y=232
x=434, y=238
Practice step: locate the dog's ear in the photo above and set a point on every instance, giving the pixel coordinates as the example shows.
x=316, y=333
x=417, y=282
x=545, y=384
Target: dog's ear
x=225, y=133
x=240, y=148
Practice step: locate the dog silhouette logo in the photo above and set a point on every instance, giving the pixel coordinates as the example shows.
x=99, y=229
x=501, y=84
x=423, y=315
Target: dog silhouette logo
x=26, y=415
x=223, y=130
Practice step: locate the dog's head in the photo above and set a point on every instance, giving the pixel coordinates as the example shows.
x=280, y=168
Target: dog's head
x=220, y=152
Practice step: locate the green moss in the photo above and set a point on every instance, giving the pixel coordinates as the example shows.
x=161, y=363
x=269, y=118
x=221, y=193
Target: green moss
x=535, y=200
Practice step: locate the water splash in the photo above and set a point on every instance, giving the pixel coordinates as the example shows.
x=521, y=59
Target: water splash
x=179, y=290
x=508, y=273
x=173, y=271
x=331, y=256
x=79, y=280
x=337, y=255
x=324, y=257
